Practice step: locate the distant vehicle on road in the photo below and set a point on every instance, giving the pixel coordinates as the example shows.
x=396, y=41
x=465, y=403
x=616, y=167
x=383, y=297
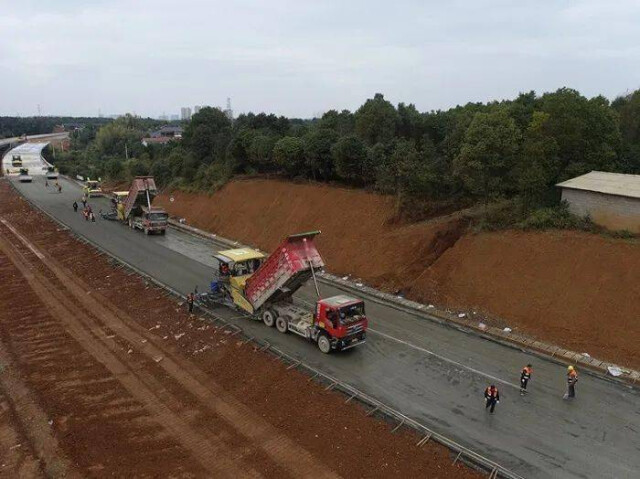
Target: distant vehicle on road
x=16, y=161
x=24, y=176
x=92, y=188
x=52, y=173
x=134, y=207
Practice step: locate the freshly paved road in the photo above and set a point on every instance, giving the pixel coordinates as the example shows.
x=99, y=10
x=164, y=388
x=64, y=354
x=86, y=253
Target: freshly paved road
x=30, y=154
x=430, y=372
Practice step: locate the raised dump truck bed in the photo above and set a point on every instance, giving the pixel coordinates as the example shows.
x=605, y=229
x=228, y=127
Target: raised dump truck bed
x=285, y=270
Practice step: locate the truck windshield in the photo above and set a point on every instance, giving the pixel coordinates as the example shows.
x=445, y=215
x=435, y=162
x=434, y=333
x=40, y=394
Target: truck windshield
x=158, y=216
x=352, y=313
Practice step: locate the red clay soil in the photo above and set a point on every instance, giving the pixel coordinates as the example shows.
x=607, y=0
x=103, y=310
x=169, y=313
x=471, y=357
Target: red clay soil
x=359, y=236
x=140, y=388
x=577, y=290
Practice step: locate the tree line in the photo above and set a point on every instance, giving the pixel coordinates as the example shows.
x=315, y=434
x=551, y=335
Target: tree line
x=477, y=153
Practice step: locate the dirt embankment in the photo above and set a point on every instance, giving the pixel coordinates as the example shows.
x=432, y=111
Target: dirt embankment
x=140, y=388
x=358, y=235
x=577, y=290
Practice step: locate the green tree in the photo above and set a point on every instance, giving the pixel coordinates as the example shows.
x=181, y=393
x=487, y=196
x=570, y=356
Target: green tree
x=260, y=152
x=114, y=169
x=208, y=134
x=534, y=171
x=376, y=120
x=288, y=154
x=349, y=157
x=342, y=123
x=586, y=133
x=317, y=151
x=488, y=154
x=161, y=171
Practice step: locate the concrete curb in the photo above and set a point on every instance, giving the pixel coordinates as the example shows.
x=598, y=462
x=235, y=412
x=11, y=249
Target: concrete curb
x=511, y=339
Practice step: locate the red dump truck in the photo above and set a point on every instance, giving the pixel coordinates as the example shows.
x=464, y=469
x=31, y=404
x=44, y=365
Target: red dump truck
x=136, y=209
x=264, y=288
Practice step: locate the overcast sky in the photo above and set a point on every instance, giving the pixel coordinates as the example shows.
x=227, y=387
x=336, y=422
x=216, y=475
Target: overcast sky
x=300, y=57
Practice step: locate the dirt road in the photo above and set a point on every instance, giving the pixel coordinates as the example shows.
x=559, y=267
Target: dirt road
x=103, y=386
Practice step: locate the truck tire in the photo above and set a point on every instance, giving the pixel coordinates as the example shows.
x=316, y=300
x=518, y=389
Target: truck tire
x=269, y=318
x=282, y=324
x=324, y=344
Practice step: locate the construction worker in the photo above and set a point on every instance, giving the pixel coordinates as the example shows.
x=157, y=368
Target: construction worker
x=190, y=300
x=525, y=375
x=75, y=206
x=84, y=201
x=492, y=397
x=572, y=379
x=46, y=183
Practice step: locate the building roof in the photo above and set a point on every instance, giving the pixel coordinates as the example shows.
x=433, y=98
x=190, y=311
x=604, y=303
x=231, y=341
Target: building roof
x=607, y=183
x=239, y=254
x=158, y=139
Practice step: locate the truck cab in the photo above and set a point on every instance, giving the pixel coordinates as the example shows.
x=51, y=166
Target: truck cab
x=151, y=220
x=343, y=319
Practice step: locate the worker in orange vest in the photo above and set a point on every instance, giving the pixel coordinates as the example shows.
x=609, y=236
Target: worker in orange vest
x=492, y=397
x=572, y=379
x=525, y=375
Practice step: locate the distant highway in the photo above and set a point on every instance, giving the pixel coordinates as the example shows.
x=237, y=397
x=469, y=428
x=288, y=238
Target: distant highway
x=430, y=372
x=31, y=156
x=45, y=136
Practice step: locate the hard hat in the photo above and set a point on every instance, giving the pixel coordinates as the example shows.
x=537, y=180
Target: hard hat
x=570, y=368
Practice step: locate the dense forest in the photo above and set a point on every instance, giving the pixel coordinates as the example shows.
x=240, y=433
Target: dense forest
x=505, y=155
x=14, y=126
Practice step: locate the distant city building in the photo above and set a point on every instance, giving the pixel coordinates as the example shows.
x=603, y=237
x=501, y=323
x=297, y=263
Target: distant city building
x=175, y=117
x=196, y=109
x=185, y=113
x=163, y=117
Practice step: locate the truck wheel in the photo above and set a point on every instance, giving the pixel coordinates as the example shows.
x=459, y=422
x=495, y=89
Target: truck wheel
x=324, y=344
x=281, y=324
x=269, y=318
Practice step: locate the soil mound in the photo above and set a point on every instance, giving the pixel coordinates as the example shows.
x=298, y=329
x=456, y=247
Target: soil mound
x=574, y=289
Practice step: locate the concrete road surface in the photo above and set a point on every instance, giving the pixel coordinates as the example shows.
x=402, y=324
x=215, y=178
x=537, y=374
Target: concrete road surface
x=432, y=373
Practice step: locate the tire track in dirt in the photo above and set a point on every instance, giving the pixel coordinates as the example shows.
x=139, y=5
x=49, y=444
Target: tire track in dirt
x=254, y=430
x=210, y=452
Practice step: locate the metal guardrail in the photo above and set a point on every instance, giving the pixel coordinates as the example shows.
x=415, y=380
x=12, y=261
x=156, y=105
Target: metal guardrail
x=463, y=454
